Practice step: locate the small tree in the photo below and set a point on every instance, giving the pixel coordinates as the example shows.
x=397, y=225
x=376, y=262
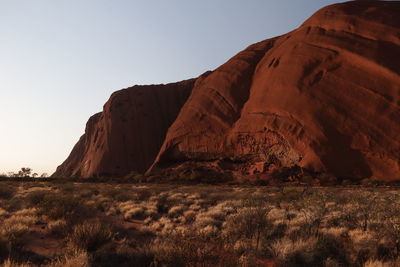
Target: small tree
x=25, y=172
x=364, y=208
x=314, y=207
x=12, y=174
x=250, y=222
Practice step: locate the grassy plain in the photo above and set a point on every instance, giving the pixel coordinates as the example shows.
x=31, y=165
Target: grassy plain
x=105, y=224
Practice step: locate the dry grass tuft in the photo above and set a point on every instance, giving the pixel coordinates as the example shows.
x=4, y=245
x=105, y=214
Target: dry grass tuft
x=90, y=236
x=57, y=227
x=172, y=225
x=76, y=258
x=10, y=263
x=285, y=251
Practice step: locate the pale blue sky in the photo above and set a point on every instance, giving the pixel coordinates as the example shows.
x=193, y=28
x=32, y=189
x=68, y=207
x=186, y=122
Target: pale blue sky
x=61, y=59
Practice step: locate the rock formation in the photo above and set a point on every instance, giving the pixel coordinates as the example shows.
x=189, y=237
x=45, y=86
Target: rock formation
x=128, y=134
x=324, y=98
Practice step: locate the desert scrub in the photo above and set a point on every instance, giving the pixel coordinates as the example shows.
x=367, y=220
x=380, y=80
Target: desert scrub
x=14, y=233
x=131, y=210
x=90, y=236
x=192, y=249
x=176, y=211
x=250, y=222
x=289, y=194
x=35, y=197
x=7, y=191
x=314, y=251
x=104, y=204
x=189, y=216
x=336, y=231
x=288, y=253
x=122, y=194
x=380, y=263
x=11, y=263
x=163, y=203
x=163, y=226
x=142, y=194
x=3, y=212
x=72, y=258
x=67, y=207
x=314, y=207
x=215, y=215
x=58, y=227
x=203, y=225
x=15, y=228
x=364, y=205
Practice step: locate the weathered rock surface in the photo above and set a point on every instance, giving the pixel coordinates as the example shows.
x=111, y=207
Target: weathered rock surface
x=128, y=134
x=325, y=97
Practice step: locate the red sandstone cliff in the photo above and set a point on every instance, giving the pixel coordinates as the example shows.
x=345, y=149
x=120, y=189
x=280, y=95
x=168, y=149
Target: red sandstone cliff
x=325, y=97
x=128, y=134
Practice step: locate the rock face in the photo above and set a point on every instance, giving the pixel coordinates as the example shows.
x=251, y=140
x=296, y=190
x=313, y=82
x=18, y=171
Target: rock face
x=325, y=97
x=128, y=134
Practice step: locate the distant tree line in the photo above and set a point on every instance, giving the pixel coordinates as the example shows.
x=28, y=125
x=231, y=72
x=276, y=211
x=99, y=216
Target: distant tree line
x=24, y=172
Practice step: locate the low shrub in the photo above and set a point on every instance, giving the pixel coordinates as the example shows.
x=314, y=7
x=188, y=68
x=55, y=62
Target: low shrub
x=143, y=194
x=14, y=204
x=123, y=196
x=289, y=194
x=6, y=191
x=287, y=252
x=76, y=258
x=331, y=247
x=66, y=207
x=122, y=256
x=90, y=236
x=14, y=234
x=4, y=248
x=11, y=263
x=250, y=222
x=176, y=211
x=58, y=227
x=35, y=197
x=193, y=249
x=14, y=229
x=134, y=177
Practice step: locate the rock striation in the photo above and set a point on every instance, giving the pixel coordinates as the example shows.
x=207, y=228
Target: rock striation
x=322, y=98
x=128, y=134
